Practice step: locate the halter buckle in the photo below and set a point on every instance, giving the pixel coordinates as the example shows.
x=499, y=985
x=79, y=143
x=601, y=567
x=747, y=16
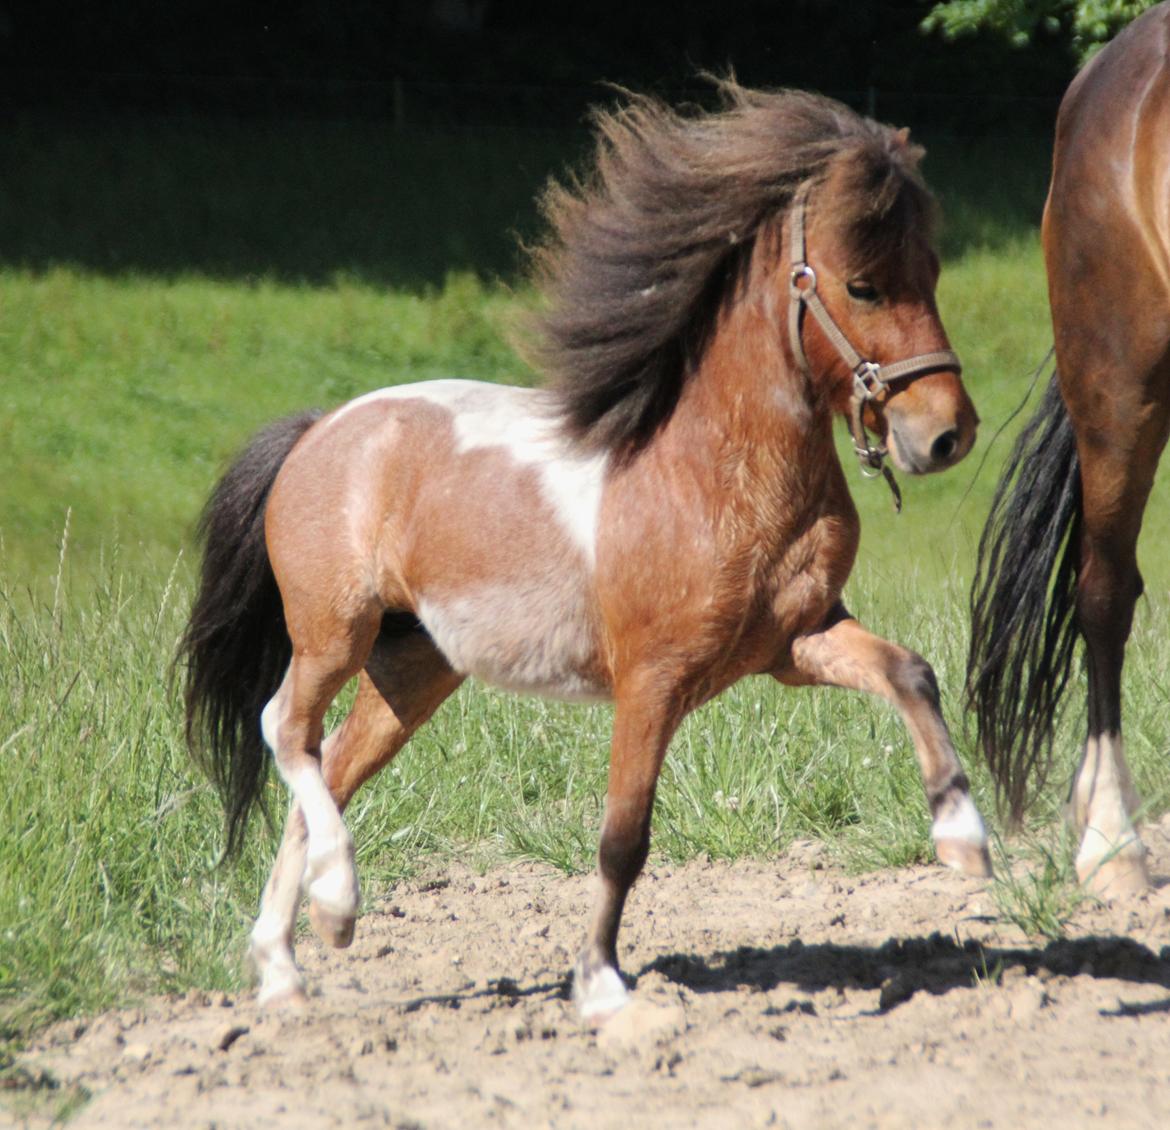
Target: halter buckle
x=867, y=381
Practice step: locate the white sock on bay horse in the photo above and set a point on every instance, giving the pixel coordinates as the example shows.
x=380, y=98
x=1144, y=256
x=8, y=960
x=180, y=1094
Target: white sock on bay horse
x=1112, y=858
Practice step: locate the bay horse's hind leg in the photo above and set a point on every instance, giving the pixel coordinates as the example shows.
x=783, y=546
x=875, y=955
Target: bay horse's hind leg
x=1115, y=483
x=844, y=654
x=405, y=681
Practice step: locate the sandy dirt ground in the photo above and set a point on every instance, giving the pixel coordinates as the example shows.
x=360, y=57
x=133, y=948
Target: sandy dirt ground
x=784, y=994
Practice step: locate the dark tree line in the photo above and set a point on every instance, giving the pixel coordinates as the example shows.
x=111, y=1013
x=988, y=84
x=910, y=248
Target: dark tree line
x=515, y=59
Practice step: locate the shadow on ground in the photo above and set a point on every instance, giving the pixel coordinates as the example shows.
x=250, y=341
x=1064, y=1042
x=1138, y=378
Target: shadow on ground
x=902, y=967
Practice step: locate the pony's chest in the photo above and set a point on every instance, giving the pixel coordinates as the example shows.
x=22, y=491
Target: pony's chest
x=803, y=584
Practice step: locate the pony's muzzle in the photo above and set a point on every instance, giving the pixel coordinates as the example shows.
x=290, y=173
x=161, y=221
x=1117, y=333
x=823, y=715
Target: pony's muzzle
x=921, y=447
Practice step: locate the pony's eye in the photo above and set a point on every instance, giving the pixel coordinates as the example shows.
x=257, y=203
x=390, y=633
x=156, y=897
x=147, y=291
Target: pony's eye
x=862, y=290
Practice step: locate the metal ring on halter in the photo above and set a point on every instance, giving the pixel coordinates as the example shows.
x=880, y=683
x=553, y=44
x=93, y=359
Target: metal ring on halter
x=799, y=272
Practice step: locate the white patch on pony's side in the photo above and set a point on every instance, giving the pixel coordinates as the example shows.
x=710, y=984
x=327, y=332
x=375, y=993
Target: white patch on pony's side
x=534, y=640
x=962, y=822
x=520, y=422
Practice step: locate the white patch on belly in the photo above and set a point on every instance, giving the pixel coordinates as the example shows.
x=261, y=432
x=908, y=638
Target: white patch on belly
x=517, y=420
x=531, y=640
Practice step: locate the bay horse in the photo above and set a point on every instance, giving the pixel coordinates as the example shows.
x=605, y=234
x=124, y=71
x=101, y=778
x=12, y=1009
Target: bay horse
x=665, y=516
x=1058, y=554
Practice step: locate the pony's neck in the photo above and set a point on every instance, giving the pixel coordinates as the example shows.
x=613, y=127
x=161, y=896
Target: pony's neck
x=749, y=390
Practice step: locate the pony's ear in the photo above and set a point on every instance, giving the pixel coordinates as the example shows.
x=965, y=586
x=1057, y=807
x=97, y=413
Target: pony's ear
x=902, y=137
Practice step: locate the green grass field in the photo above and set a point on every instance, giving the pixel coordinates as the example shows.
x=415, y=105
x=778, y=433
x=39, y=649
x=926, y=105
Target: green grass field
x=166, y=289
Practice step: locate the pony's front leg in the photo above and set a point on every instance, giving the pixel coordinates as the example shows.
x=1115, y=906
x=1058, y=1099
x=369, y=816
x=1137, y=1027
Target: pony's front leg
x=643, y=725
x=844, y=654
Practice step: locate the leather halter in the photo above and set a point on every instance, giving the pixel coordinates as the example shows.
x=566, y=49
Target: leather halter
x=871, y=380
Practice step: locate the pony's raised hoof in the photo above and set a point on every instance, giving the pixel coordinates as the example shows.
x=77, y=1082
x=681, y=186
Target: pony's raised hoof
x=960, y=837
x=334, y=895
x=962, y=855
x=335, y=928
x=599, y=995
x=1122, y=871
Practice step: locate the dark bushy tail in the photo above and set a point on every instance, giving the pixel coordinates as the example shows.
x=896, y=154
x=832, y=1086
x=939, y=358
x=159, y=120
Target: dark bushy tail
x=1022, y=603
x=235, y=649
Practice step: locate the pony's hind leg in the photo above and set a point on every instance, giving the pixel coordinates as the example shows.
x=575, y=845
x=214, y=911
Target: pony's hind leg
x=405, y=681
x=293, y=724
x=271, y=942
x=844, y=654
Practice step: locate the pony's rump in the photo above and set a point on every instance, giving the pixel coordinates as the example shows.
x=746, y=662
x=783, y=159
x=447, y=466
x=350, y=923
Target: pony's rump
x=235, y=648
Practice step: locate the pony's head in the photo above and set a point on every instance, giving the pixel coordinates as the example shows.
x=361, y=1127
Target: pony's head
x=645, y=254
x=862, y=316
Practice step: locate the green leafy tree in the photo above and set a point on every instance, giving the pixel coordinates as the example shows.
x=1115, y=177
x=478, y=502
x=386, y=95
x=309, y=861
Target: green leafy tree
x=1089, y=24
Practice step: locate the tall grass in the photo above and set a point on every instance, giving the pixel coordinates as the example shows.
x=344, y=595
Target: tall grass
x=152, y=317
x=109, y=884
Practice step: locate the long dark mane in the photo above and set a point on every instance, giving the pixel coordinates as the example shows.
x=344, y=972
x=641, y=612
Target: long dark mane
x=642, y=254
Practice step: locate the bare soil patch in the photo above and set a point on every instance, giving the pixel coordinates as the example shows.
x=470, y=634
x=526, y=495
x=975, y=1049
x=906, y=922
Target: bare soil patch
x=782, y=993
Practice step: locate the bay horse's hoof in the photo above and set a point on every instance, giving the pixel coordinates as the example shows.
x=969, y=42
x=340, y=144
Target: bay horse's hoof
x=332, y=927
x=599, y=994
x=1120, y=872
x=963, y=855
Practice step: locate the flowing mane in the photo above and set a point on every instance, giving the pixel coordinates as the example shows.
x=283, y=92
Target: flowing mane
x=641, y=256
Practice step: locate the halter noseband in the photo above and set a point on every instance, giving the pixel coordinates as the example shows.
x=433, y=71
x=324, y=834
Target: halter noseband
x=871, y=380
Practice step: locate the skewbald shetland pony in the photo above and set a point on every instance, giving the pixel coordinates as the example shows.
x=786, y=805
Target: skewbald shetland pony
x=1058, y=558
x=666, y=517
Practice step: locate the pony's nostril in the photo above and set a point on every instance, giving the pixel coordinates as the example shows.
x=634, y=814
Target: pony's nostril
x=944, y=448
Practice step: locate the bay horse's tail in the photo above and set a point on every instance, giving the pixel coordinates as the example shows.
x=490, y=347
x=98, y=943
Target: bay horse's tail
x=235, y=649
x=1022, y=603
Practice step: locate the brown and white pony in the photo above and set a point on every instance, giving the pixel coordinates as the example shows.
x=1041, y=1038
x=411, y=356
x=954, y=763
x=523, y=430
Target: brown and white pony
x=668, y=517
x=1058, y=557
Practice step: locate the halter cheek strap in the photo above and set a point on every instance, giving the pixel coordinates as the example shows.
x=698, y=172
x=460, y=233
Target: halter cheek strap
x=871, y=380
